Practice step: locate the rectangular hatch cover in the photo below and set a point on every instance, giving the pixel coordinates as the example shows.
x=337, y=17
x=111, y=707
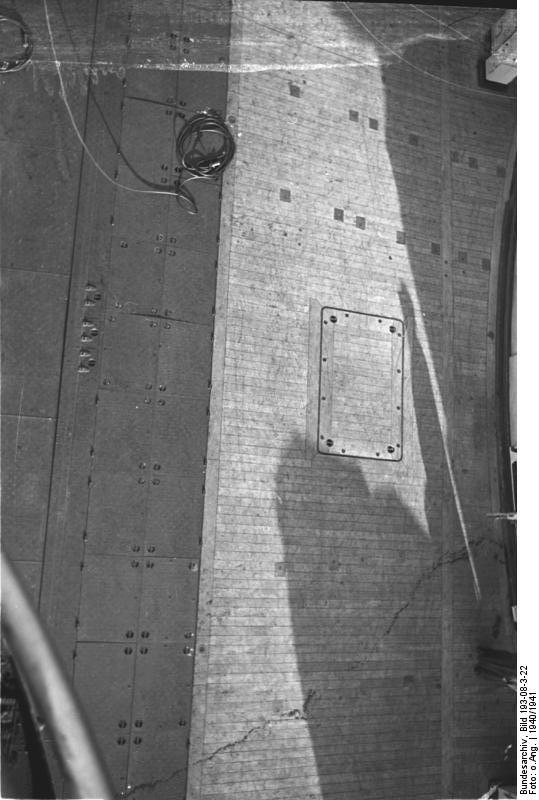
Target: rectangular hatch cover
x=361, y=379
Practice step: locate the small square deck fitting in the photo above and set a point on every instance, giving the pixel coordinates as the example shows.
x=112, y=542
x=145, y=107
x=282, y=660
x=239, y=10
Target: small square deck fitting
x=373, y=124
x=285, y=195
x=353, y=115
x=360, y=223
x=338, y=214
x=361, y=385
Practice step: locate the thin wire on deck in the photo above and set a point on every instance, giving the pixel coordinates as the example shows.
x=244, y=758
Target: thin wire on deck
x=99, y=168
x=200, y=164
x=418, y=69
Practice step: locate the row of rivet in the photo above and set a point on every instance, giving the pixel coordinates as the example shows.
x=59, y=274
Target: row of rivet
x=150, y=548
x=188, y=651
x=160, y=238
x=152, y=323
x=122, y=723
x=89, y=331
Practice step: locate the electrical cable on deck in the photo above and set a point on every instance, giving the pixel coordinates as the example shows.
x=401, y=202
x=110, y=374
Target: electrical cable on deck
x=200, y=163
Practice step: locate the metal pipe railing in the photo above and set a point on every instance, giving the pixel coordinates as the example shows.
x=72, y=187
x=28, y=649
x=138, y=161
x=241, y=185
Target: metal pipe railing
x=50, y=692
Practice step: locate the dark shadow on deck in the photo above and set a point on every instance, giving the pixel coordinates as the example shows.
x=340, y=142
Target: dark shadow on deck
x=367, y=612
x=361, y=605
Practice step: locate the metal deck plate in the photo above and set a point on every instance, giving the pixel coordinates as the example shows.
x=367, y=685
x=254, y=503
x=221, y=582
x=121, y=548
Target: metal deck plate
x=174, y=515
x=33, y=315
x=360, y=401
x=117, y=510
x=110, y=597
x=130, y=468
x=147, y=135
x=130, y=349
x=108, y=702
x=164, y=671
x=169, y=595
x=123, y=432
x=27, y=446
x=136, y=276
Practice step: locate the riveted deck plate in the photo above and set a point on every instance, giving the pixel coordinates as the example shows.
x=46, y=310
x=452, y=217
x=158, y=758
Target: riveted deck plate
x=360, y=399
x=108, y=703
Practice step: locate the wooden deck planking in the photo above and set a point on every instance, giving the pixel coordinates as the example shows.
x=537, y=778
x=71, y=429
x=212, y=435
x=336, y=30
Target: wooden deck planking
x=325, y=576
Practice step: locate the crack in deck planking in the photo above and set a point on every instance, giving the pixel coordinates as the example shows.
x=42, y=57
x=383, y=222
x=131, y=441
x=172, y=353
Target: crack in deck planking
x=450, y=557
x=286, y=716
x=154, y=783
x=446, y=558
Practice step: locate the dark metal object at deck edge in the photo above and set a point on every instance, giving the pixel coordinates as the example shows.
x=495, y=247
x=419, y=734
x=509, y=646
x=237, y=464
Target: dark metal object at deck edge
x=50, y=692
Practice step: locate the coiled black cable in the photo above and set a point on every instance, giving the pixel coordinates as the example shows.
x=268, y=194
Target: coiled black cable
x=196, y=157
x=16, y=62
